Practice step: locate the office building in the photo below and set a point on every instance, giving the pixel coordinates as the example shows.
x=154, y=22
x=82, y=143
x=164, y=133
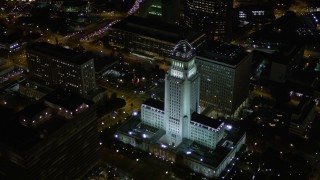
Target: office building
x=155, y=9
x=283, y=63
x=174, y=127
x=212, y=16
x=166, y=10
x=302, y=118
x=53, y=139
x=276, y=64
x=59, y=67
x=225, y=71
x=153, y=39
x=254, y=15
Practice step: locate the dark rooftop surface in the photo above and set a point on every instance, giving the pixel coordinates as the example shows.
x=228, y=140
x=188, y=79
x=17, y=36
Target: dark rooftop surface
x=156, y=29
x=60, y=52
x=5, y=114
x=234, y=135
x=15, y=134
x=155, y=103
x=33, y=83
x=202, y=119
x=33, y=110
x=305, y=112
x=222, y=52
x=290, y=28
x=304, y=108
x=66, y=100
x=286, y=53
x=102, y=63
x=20, y=137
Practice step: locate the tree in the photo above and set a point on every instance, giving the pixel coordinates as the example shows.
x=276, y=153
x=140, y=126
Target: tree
x=117, y=103
x=113, y=96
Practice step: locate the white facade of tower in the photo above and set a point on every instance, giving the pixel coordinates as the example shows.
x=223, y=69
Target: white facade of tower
x=182, y=85
x=175, y=127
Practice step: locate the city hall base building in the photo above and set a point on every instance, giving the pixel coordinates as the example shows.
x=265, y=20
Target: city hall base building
x=174, y=129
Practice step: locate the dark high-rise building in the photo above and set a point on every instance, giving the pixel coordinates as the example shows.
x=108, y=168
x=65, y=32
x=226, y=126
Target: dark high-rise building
x=53, y=139
x=60, y=67
x=225, y=71
x=212, y=16
x=170, y=11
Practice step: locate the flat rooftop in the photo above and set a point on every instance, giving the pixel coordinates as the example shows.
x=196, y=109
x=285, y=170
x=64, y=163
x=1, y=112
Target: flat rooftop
x=222, y=52
x=155, y=103
x=33, y=84
x=212, y=157
x=156, y=29
x=201, y=153
x=20, y=137
x=33, y=110
x=66, y=100
x=287, y=53
x=15, y=135
x=193, y=150
x=5, y=113
x=60, y=52
x=202, y=119
x=303, y=109
x=289, y=28
x=133, y=127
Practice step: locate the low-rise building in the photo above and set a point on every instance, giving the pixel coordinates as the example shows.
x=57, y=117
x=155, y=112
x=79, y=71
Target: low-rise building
x=150, y=38
x=56, y=138
x=302, y=118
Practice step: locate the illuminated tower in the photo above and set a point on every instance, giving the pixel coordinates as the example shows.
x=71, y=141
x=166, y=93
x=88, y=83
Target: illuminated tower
x=181, y=92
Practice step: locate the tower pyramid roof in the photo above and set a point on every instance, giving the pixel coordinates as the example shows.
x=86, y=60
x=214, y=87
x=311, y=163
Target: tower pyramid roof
x=183, y=50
